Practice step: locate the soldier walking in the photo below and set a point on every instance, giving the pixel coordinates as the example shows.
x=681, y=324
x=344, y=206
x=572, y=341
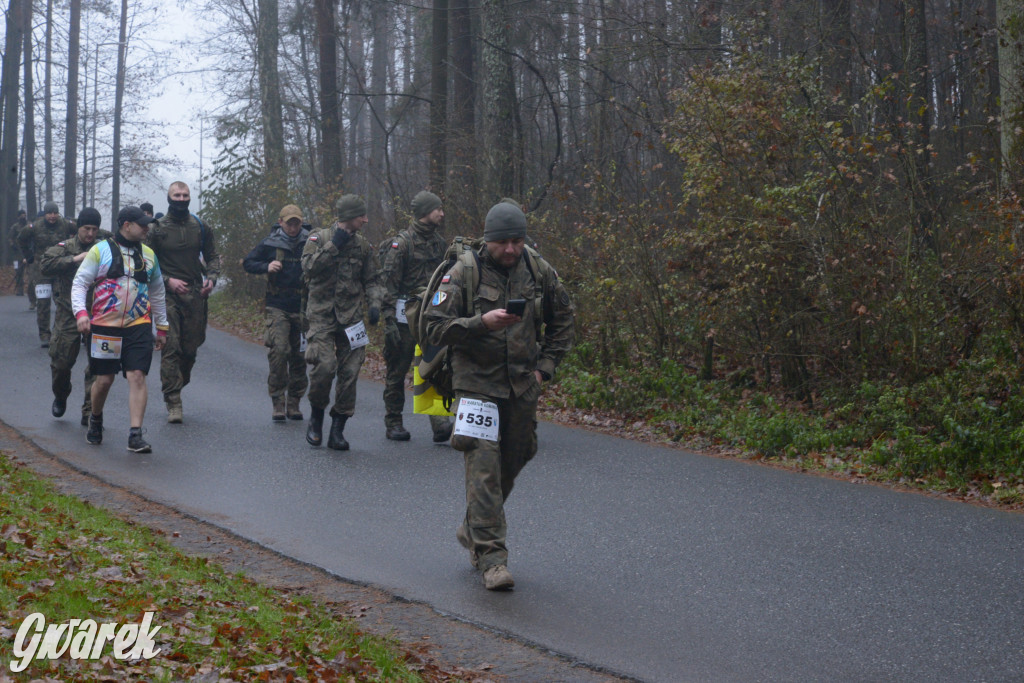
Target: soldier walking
x=342, y=272
x=500, y=361
x=60, y=263
x=409, y=261
x=279, y=257
x=187, y=251
x=35, y=239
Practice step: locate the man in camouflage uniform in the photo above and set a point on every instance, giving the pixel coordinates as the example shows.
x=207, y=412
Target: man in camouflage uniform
x=15, y=255
x=409, y=262
x=341, y=270
x=60, y=262
x=279, y=257
x=35, y=239
x=500, y=361
x=187, y=251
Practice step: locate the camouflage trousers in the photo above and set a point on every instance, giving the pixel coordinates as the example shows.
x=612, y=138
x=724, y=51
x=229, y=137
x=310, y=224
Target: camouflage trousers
x=491, y=470
x=64, y=349
x=30, y=282
x=287, y=366
x=186, y=332
x=398, y=359
x=19, y=280
x=42, y=305
x=328, y=354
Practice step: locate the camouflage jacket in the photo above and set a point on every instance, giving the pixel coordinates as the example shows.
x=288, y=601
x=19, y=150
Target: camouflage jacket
x=409, y=261
x=178, y=246
x=58, y=263
x=36, y=238
x=500, y=363
x=12, y=239
x=339, y=281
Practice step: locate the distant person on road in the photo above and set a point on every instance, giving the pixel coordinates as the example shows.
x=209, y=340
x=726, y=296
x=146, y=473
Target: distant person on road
x=15, y=254
x=127, y=301
x=341, y=271
x=187, y=250
x=408, y=263
x=279, y=257
x=33, y=241
x=500, y=362
x=60, y=263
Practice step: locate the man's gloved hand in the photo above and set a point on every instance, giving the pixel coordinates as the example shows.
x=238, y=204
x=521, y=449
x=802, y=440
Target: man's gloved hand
x=341, y=237
x=374, y=315
x=392, y=337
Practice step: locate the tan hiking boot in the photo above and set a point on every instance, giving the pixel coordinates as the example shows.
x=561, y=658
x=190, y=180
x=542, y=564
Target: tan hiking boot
x=498, y=578
x=278, y=414
x=174, y=413
x=292, y=410
x=462, y=534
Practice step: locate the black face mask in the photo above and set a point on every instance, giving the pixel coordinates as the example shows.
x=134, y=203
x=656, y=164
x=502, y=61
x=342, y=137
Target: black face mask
x=177, y=208
x=139, y=272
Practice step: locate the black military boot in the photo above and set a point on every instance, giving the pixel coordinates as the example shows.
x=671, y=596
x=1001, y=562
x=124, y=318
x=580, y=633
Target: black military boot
x=58, y=407
x=315, y=431
x=397, y=432
x=337, y=438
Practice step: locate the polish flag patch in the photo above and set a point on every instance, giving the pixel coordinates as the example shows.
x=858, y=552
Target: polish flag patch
x=313, y=238
x=394, y=245
x=446, y=279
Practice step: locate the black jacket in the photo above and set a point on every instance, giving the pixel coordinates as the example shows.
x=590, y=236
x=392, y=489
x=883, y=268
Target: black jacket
x=284, y=288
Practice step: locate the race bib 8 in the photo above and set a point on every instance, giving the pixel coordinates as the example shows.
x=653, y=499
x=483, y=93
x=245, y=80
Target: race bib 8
x=105, y=348
x=400, y=311
x=357, y=336
x=477, y=419
x=44, y=291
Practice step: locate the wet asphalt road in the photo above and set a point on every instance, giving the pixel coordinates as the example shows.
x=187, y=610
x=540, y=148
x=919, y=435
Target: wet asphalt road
x=650, y=562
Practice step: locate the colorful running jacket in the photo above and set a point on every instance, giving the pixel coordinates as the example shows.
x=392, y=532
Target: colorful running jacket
x=123, y=296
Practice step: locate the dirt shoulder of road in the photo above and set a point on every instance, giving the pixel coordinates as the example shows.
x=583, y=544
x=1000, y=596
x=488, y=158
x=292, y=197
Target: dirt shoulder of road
x=470, y=651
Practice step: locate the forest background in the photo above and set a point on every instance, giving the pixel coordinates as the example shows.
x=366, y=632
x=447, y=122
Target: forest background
x=791, y=229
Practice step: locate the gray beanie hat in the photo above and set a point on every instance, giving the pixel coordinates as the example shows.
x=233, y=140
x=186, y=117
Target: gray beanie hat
x=350, y=206
x=51, y=207
x=504, y=222
x=423, y=203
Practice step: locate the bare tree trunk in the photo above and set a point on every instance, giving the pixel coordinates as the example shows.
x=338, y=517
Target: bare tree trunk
x=837, y=47
x=122, y=55
x=499, y=99
x=1010, y=20
x=378, y=176
x=29, y=142
x=439, y=96
x=573, y=80
x=919, y=110
x=9, y=80
x=464, y=110
x=47, y=106
x=71, y=128
x=267, y=40
x=355, y=59
x=330, y=116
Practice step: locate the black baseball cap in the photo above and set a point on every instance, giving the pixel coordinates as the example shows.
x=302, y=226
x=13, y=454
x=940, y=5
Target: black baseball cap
x=135, y=215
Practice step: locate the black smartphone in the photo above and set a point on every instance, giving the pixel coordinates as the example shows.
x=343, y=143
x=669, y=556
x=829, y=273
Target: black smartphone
x=516, y=307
